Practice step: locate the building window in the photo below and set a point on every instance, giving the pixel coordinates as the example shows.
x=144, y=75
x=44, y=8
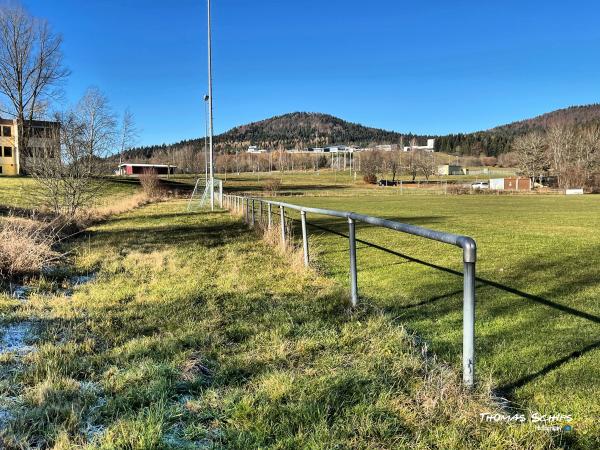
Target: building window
x=8, y=152
x=6, y=131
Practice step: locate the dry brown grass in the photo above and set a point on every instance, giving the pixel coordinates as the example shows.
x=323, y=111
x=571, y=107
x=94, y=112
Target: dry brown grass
x=91, y=215
x=26, y=245
x=272, y=185
x=291, y=250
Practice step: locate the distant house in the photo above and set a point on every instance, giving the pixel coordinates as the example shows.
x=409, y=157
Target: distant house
x=133, y=170
x=427, y=148
x=451, y=169
x=42, y=142
x=255, y=149
x=336, y=148
x=387, y=147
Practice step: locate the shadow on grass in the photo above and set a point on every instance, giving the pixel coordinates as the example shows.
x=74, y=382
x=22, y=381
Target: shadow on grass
x=483, y=281
x=450, y=302
x=156, y=233
x=509, y=388
x=287, y=188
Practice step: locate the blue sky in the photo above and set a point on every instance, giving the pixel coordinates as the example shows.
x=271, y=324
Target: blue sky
x=427, y=67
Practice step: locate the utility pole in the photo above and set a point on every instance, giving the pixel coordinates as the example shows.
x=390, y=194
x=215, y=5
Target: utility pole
x=210, y=116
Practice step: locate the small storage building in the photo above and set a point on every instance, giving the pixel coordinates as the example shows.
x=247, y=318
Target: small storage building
x=450, y=169
x=129, y=169
x=511, y=184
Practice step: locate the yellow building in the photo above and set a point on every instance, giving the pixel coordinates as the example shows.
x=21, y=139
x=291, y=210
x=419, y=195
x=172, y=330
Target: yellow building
x=43, y=142
x=9, y=162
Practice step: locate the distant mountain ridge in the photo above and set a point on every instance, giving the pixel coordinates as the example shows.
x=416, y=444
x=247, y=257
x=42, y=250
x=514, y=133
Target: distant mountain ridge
x=498, y=140
x=309, y=129
x=287, y=131
x=573, y=115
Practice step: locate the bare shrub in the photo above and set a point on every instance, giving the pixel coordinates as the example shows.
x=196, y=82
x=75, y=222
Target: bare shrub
x=272, y=185
x=370, y=178
x=151, y=184
x=458, y=189
x=371, y=163
x=26, y=246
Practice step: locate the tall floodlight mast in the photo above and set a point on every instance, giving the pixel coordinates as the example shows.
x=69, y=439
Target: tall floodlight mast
x=206, y=140
x=210, y=117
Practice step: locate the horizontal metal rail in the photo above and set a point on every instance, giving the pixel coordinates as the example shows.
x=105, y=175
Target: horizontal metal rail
x=246, y=206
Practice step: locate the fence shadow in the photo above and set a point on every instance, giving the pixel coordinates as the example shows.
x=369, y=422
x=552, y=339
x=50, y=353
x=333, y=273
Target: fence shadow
x=448, y=302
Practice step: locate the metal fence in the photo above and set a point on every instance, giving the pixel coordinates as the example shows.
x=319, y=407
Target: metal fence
x=254, y=209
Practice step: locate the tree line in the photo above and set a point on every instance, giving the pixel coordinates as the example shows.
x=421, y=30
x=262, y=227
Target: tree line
x=569, y=153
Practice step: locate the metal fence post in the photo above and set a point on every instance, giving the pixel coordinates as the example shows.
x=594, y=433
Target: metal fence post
x=270, y=215
x=304, y=237
x=221, y=193
x=260, y=213
x=282, y=220
x=469, y=324
x=247, y=209
x=353, y=278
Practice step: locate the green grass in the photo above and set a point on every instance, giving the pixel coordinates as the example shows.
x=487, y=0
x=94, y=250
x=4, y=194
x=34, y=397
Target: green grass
x=197, y=334
x=19, y=192
x=325, y=182
x=537, y=327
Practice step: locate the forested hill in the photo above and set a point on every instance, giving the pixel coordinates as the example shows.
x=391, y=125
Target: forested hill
x=294, y=130
x=499, y=139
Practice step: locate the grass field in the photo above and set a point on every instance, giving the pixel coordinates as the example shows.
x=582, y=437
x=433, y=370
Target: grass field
x=20, y=192
x=328, y=182
x=196, y=334
x=538, y=315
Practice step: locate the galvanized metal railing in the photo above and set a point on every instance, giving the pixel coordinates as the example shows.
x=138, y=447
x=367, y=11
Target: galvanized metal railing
x=247, y=207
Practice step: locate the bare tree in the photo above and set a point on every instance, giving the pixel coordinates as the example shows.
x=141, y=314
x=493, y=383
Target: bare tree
x=392, y=163
x=410, y=164
x=99, y=123
x=371, y=164
x=588, y=152
x=531, y=152
x=425, y=163
x=561, y=142
x=31, y=66
x=69, y=179
x=128, y=133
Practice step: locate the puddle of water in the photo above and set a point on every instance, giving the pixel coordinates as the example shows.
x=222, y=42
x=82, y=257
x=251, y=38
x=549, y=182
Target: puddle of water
x=13, y=339
x=20, y=292
x=93, y=432
x=81, y=279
